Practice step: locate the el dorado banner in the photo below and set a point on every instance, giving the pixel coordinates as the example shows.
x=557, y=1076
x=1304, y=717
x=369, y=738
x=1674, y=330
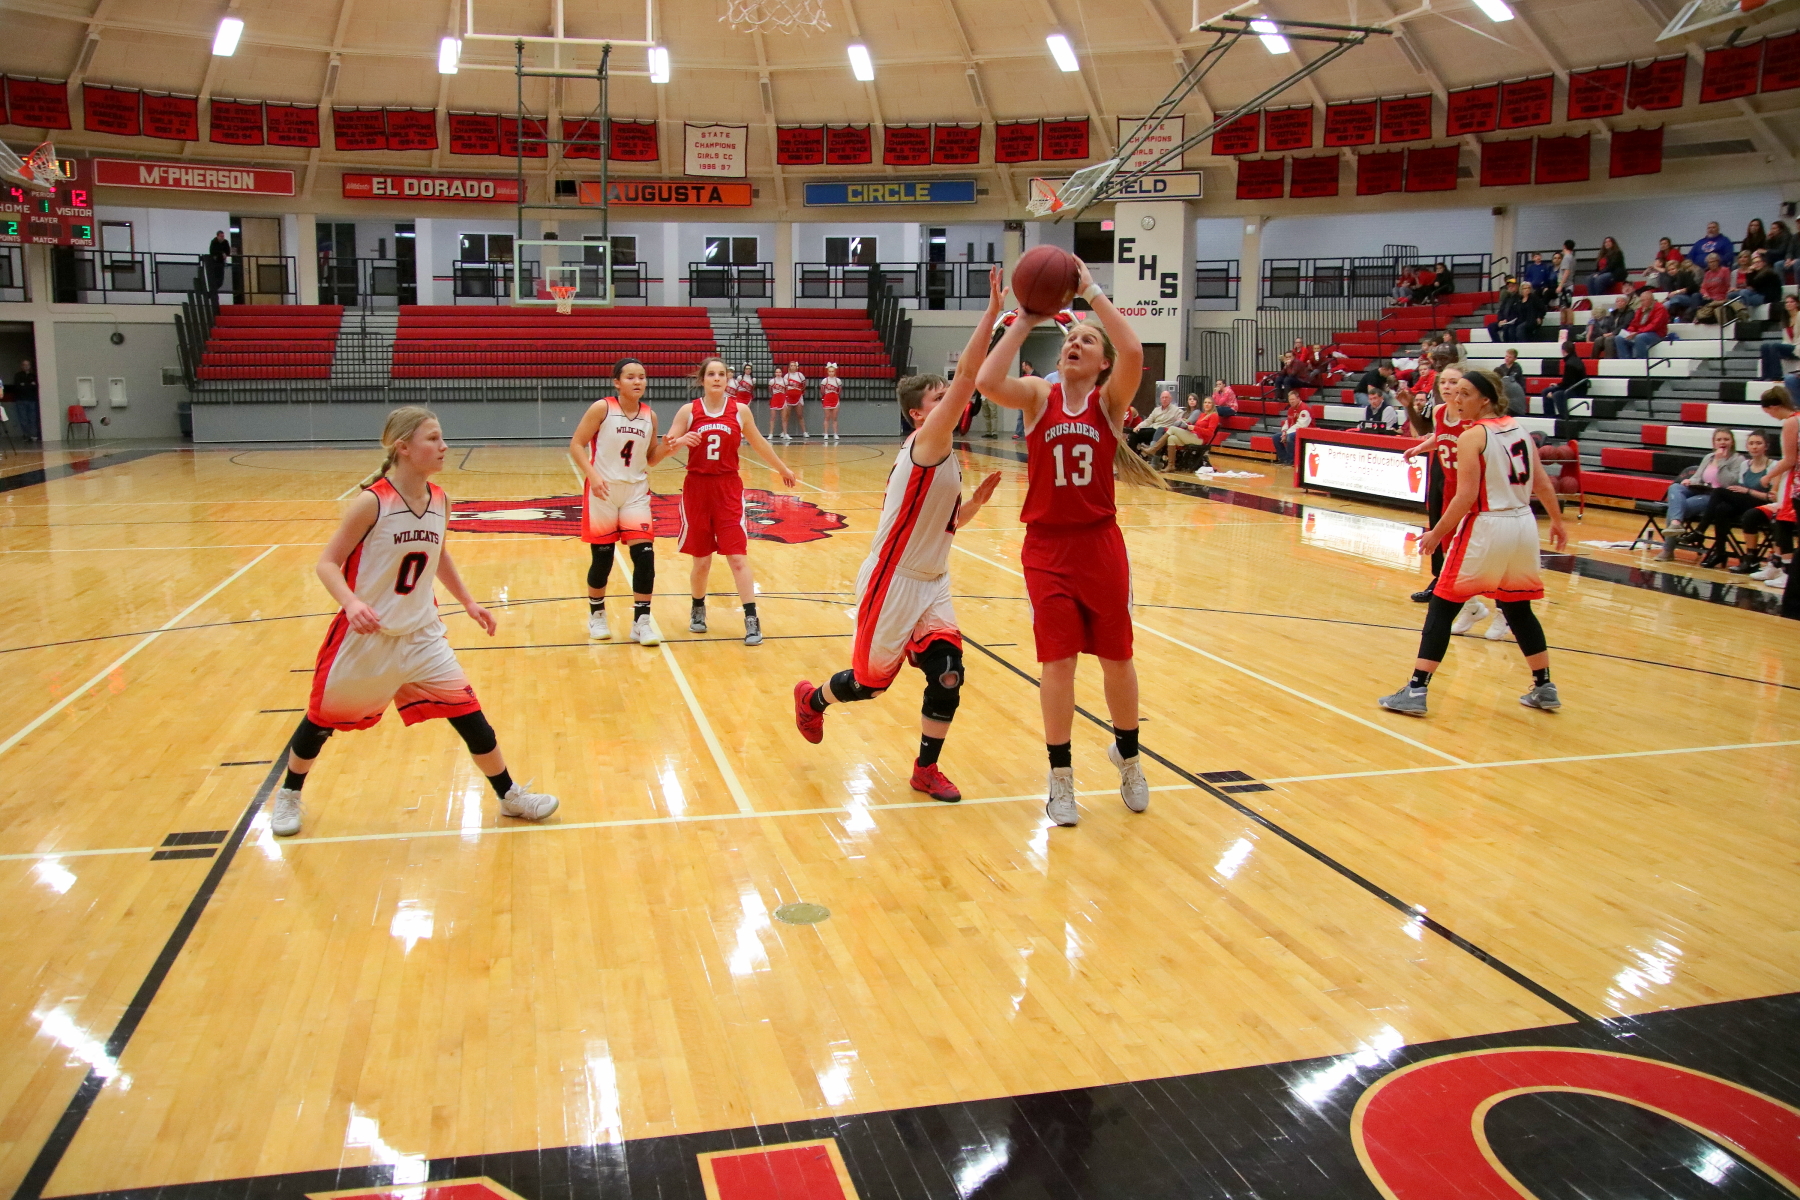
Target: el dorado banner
x=1636, y=152
x=235, y=123
x=175, y=118
x=849, y=145
x=1380, y=172
x=1261, y=178
x=473, y=133
x=1241, y=136
x=1527, y=102
x=1350, y=124
x=1506, y=164
x=1314, y=177
x=1016, y=141
x=1472, y=110
x=1597, y=93
x=1659, y=84
x=1288, y=128
x=800, y=145
x=1406, y=119
x=1563, y=159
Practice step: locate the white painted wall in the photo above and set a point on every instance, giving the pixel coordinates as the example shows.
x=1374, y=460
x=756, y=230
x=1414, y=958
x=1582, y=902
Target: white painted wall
x=1434, y=231
x=1218, y=237
x=1637, y=224
x=890, y=238
x=167, y=230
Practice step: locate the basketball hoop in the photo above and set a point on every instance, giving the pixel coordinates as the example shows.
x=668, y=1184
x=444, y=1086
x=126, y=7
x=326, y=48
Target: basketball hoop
x=37, y=170
x=776, y=16
x=565, y=297
x=1051, y=197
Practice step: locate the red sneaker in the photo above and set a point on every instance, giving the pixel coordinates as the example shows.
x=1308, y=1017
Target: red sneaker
x=932, y=782
x=811, y=724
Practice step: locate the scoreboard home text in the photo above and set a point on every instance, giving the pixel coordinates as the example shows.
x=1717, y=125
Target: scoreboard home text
x=64, y=217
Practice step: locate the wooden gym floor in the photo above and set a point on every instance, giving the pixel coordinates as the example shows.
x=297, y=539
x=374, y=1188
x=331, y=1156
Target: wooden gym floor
x=415, y=979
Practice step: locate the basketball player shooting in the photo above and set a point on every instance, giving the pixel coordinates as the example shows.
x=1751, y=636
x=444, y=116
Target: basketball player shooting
x=903, y=607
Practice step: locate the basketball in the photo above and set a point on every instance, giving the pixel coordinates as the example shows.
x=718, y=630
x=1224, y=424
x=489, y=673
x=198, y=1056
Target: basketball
x=1044, y=279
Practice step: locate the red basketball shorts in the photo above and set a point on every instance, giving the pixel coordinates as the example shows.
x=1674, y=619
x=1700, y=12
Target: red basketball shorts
x=712, y=515
x=1080, y=589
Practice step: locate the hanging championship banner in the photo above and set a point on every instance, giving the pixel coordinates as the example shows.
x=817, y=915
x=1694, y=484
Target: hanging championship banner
x=1506, y=164
x=38, y=103
x=1261, y=178
x=955, y=145
x=1636, y=152
x=1659, y=84
x=1472, y=110
x=1563, y=159
x=1406, y=119
x=581, y=139
x=1380, y=172
x=473, y=133
x=1350, y=124
x=716, y=150
x=1016, y=141
x=1432, y=168
x=633, y=141
x=1595, y=94
x=800, y=145
x=523, y=139
x=1527, y=102
x=905, y=145
x=1241, y=136
x=358, y=129
x=1065, y=139
x=174, y=118
x=849, y=145
x=1314, y=177
x=1730, y=72
x=1168, y=133
x=110, y=110
x=1288, y=128
x=292, y=124
x=1781, y=63
x=412, y=129
x=235, y=123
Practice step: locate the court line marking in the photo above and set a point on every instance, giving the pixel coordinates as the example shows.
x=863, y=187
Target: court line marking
x=706, y=733
x=116, y=663
x=1296, y=693
x=1537, y=762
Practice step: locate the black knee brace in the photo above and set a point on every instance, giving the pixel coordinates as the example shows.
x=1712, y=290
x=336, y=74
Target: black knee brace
x=1525, y=626
x=599, y=567
x=643, y=568
x=308, y=740
x=475, y=731
x=1434, y=639
x=942, y=663
x=845, y=688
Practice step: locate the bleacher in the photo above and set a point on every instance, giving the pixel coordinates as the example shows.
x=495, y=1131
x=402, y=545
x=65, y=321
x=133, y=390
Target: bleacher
x=450, y=342
x=275, y=341
x=816, y=336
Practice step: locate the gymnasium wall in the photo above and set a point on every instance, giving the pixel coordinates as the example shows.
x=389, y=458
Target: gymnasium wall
x=166, y=230
x=1433, y=231
x=1636, y=224
x=85, y=349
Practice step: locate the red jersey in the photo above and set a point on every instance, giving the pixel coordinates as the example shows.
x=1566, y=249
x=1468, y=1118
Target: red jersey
x=1069, y=465
x=717, y=453
x=1444, y=448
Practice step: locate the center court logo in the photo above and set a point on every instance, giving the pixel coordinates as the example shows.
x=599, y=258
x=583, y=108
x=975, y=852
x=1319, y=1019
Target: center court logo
x=769, y=517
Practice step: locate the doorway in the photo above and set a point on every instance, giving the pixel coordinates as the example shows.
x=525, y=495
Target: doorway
x=337, y=263
x=1155, y=359
x=261, y=275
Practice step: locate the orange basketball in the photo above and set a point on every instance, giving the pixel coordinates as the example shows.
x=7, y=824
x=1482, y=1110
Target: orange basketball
x=1044, y=280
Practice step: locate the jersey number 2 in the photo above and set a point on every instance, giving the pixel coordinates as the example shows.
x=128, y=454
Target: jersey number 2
x=712, y=446
x=1082, y=457
x=411, y=568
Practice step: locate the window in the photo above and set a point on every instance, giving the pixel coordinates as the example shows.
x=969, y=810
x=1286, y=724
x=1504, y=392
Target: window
x=115, y=237
x=1093, y=241
x=850, y=251
x=624, y=250
x=486, y=247
x=731, y=252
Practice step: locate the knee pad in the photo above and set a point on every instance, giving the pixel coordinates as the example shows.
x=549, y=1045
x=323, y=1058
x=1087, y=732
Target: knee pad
x=847, y=690
x=599, y=567
x=308, y=740
x=942, y=663
x=643, y=568
x=475, y=731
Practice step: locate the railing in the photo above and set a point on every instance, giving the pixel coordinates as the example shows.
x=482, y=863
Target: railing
x=1331, y=282
x=491, y=282
x=1216, y=283
x=891, y=322
x=14, y=284
x=368, y=282
x=951, y=285
x=193, y=326
x=82, y=275
x=750, y=281
x=1585, y=260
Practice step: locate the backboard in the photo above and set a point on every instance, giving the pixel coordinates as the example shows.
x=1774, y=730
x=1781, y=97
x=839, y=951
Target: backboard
x=1698, y=14
x=540, y=265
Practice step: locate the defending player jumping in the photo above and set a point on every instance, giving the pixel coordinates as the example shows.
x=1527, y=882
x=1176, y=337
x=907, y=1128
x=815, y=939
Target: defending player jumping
x=903, y=607
x=613, y=448
x=1493, y=538
x=712, y=495
x=387, y=645
x=1076, y=570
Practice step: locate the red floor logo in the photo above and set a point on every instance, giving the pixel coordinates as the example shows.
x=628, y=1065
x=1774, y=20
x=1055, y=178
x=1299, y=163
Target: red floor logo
x=769, y=516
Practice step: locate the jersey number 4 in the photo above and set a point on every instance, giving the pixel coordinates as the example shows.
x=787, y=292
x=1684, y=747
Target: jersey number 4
x=626, y=450
x=411, y=568
x=1081, y=457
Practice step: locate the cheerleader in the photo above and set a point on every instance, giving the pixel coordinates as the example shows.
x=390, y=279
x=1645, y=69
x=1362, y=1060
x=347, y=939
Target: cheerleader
x=830, y=389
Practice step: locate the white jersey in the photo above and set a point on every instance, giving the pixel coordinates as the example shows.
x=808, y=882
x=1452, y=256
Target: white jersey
x=393, y=569
x=918, y=518
x=620, y=450
x=1505, y=467
x=796, y=386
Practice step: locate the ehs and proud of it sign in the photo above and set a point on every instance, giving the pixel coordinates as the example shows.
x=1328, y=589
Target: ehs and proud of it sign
x=892, y=191
x=183, y=177
x=466, y=189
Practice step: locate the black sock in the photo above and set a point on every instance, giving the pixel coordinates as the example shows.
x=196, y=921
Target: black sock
x=595, y=606
x=750, y=609
x=293, y=782
x=1540, y=676
x=502, y=782
x=1126, y=741
x=699, y=601
x=1060, y=756
x=1420, y=679
x=640, y=608
x=928, y=750
x=819, y=700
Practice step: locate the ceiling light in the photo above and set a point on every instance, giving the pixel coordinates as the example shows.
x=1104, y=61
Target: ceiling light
x=225, y=41
x=1496, y=10
x=1270, y=33
x=449, y=54
x=861, y=65
x=1062, y=52
x=659, y=64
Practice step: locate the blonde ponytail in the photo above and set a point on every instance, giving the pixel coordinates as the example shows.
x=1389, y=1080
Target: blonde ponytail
x=1129, y=468
x=401, y=424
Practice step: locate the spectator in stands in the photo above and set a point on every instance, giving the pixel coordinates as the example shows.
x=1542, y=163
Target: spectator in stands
x=1185, y=418
x=1715, y=287
x=1609, y=268
x=1574, y=383
x=1298, y=417
x=1664, y=265
x=1161, y=417
x=1506, y=312
x=1224, y=400
x=1376, y=382
x=1538, y=273
x=1774, y=352
x=1512, y=381
x=1760, y=285
x=1426, y=286
x=1403, y=286
x=1713, y=243
x=1649, y=325
x=1782, y=405
x=1727, y=505
x=1689, y=495
x=216, y=252
x=1607, y=324
x=1685, y=300
x=1446, y=282
x=1779, y=249
x=1533, y=306
x=1200, y=432
x=1565, y=275
x=24, y=397
x=1754, y=237
x=1287, y=378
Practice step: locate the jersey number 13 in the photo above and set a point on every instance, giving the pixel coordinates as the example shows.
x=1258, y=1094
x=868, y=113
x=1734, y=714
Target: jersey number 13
x=1079, y=470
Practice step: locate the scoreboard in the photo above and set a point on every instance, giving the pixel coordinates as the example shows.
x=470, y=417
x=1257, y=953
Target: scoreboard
x=64, y=217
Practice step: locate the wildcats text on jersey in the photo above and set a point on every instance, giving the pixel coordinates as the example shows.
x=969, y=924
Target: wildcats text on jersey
x=417, y=535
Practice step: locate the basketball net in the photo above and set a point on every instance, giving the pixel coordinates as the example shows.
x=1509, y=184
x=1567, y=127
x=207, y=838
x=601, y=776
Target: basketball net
x=564, y=294
x=1050, y=196
x=37, y=170
x=776, y=16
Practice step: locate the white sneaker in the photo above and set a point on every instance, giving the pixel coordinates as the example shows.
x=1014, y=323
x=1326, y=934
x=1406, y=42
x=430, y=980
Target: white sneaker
x=1471, y=613
x=1061, y=805
x=532, y=806
x=805, y=436
x=1767, y=571
x=284, y=820
x=597, y=628
x=644, y=632
x=1777, y=584
x=1498, y=631
x=1134, y=789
